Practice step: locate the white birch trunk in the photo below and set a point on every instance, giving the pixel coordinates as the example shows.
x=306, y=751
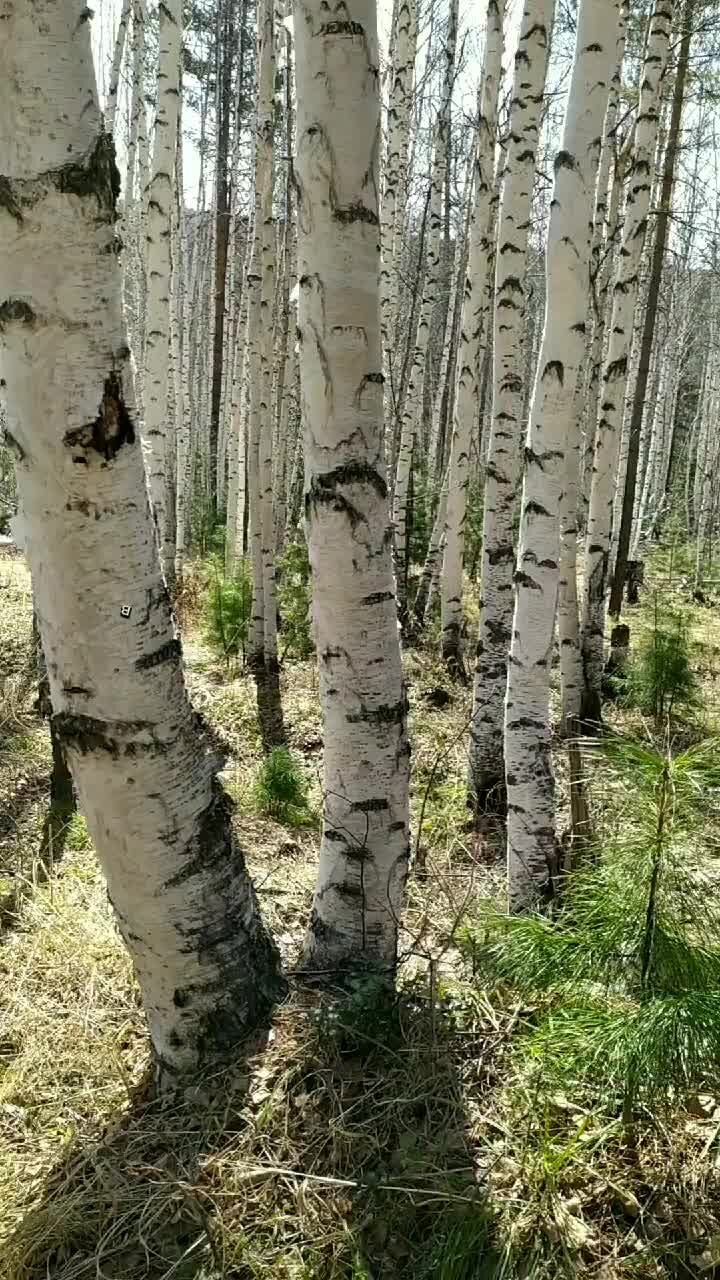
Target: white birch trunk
x=365, y=844
x=413, y=395
x=532, y=855
x=119, y=50
x=144, y=763
x=502, y=471
x=477, y=301
x=159, y=216
x=615, y=370
x=398, y=133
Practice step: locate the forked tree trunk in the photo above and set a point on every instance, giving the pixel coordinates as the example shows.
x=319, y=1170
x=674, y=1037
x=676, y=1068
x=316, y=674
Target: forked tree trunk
x=476, y=308
x=531, y=845
x=159, y=218
x=365, y=842
x=615, y=369
x=144, y=763
x=502, y=471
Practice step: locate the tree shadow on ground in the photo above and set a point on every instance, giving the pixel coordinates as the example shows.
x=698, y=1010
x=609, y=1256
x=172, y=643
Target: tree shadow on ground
x=343, y=1150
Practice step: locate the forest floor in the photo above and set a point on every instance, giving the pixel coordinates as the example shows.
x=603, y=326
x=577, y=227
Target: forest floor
x=352, y=1142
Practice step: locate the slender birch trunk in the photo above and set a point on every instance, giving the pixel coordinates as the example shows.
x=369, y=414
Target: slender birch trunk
x=396, y=162
x=650, y=316
x=502, y=472
x=365, y=844
x=260, y=286
x=143, y=761
x=413, y=396
x=477, y=301
x=615, y=370
x=118, y=53
x=159, y=218
x=532, y=854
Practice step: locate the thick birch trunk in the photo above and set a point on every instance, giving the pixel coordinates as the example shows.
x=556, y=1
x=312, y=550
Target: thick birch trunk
x=144, y=764
x=502, y=472
x=365, y=843
x=477, y=301
x=615, y=370
x=159, y=217
x=532, y=855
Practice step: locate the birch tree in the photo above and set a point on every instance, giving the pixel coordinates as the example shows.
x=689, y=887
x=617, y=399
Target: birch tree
x=365, y=841
x=413, y=395
x=144, y=763
x=476, y=304
x=158, y=267
x=502, y=470
x=615, y=368
x=531, y=848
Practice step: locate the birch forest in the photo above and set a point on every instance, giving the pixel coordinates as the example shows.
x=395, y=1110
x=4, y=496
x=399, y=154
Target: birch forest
x=359, y=639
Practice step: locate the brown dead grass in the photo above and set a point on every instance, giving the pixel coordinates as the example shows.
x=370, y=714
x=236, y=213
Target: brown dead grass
x=358, y=1142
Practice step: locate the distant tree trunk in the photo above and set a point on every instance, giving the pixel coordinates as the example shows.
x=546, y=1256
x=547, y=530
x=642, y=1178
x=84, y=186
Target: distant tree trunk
x=365, y=843
x=225, y=38
x=111, y=104
x=412, y=406
x=144, y=762
x=159, y=218
x=615, y=370
x=476, y=309
x=261, y=292
x=502, y=471
x=651, y=309
x=531, y=846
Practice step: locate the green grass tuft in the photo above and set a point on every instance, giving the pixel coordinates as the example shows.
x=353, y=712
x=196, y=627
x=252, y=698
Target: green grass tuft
x=281, y=789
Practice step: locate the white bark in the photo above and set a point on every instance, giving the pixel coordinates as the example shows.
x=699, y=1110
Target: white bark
x=413, y=395
x=532, y=857
x=143, y=762
x=119, y=50
x=365, y=843
x=477, y=300
x=394, y=189
x=615, y=369
x=502, y=471
x=157, y=337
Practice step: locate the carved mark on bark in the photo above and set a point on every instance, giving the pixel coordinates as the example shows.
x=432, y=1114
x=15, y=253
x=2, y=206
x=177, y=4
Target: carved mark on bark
x=166, y=653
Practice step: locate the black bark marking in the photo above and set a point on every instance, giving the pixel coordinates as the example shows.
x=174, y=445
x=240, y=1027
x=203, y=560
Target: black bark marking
x=563, y=160
x=16, y=311
x=96, y=175
x=557, y=368
x=386, y=713
x=376, y=805
x=341, y=29
x=88, y=734
x=355, y=212
x=9, y=201
x=112, y=428
x=173, y=649
x=377, y=597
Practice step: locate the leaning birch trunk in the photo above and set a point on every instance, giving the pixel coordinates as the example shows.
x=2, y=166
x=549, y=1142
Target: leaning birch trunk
x=365, y=843
x=159, y=218
x=143, y=761
x=477, y=301
x=502, y=471
x=615, y=369
x=413, y=396
x=531, y=845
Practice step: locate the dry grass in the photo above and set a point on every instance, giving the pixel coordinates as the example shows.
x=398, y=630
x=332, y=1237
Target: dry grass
x=359, y=1141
